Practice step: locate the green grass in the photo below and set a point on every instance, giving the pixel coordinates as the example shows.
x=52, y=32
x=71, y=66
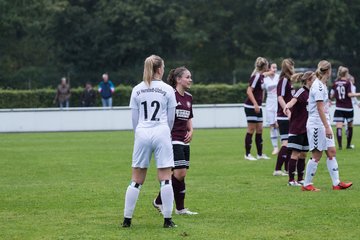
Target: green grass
x=72, y=186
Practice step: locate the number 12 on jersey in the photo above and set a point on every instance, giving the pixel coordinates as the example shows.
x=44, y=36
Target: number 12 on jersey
x=154, y=105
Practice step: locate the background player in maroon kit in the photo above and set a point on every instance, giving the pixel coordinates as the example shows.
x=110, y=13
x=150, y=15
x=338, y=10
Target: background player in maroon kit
x=297, y=111
x=253, y=109
x=285, y=92
x=181, y=134
x=342, y=92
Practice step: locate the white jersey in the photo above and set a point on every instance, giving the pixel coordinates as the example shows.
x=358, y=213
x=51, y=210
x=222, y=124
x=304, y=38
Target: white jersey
x=270, y=86
x=318, y=92
x=354, y=100
x=152, y=103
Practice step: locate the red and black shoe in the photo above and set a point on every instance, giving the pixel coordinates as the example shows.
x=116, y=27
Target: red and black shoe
x=310, y=188
x=342, y=186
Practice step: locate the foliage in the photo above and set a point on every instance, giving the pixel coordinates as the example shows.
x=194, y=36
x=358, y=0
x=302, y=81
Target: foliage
x=42, y=40
x=72, y=186
x=43, y=98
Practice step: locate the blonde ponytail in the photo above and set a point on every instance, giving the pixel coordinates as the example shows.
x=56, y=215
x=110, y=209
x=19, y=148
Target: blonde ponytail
x=302, y=77
x=297, y=77
x=151, y=65
x=342, y=72
x=322, y=68
x=260, y=65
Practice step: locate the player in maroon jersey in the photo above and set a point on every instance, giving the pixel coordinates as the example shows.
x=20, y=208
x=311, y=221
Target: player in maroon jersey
x=297, y=112
x=342, y=92
x=181, y=134
x=253, y=109
x=285, y=92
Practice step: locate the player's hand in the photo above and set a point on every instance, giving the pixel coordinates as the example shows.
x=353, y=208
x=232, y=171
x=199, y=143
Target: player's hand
x=257, y=108
x=328, y=132
x=188, y=137
x=287, y=111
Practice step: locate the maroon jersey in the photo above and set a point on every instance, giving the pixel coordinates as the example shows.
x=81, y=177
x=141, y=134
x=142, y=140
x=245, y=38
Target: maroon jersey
x=255, y=83
x=183, y=113
x=286, y=90
x=299, y=112
x=340, y=90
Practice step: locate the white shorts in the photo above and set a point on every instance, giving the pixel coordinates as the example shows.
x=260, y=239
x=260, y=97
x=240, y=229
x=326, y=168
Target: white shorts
x=318, y=140
x=155, y=140
x=270, y=116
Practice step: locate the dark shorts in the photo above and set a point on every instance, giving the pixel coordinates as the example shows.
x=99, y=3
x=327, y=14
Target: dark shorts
x=283, y=129
x=298, y=143
x=181, y=156
x=341, y=116
x=252, y=116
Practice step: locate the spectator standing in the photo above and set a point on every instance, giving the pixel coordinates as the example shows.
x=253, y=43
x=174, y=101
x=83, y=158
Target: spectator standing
x=88, y=96
x=63, y=94
x=106, y=89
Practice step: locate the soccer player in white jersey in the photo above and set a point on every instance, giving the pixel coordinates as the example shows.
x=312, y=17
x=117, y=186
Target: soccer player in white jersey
x=270, y=86
x=320, y=134
x=152, y=106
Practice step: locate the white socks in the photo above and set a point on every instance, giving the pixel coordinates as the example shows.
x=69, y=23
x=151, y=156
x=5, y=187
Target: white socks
x=131, y=197
x=167, y=197
x=311, y=168
x=333, y=169
x=274, y=136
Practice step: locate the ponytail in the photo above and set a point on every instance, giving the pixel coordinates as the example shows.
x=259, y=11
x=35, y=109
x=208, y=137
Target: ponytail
x=297, y=77
x=342, y=72
x=260, y=64
x=151, y=65
x=174, y=74
x=302, y=77
x=322, y=69
x=171, y=78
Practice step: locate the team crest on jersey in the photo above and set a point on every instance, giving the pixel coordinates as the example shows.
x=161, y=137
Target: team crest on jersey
x=188, y=104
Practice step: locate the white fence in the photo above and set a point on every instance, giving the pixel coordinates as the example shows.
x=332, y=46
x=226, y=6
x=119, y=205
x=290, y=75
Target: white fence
x=116, y=118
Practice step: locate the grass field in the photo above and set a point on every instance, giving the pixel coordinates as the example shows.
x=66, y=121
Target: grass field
x=72, y=186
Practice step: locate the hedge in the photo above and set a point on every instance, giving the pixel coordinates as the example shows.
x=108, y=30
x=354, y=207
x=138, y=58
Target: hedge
x=43, y=98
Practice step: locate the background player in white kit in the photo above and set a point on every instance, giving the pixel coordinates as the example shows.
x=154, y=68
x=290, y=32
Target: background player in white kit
x=270, y=85
x=152, y=106
x=320, y=134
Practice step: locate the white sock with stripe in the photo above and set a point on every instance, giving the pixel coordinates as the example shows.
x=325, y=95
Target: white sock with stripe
x=131, y=197
x=333, y=169
x=274, y=136
x=311, y=168
x=167, y=197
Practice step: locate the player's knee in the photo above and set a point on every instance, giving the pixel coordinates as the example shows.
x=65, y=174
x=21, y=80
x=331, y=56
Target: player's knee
x=295, y=155
x=331, y=153
x=302, y=155
x=180, y=174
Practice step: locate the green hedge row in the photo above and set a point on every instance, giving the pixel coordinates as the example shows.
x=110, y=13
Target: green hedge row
x=43, y=98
